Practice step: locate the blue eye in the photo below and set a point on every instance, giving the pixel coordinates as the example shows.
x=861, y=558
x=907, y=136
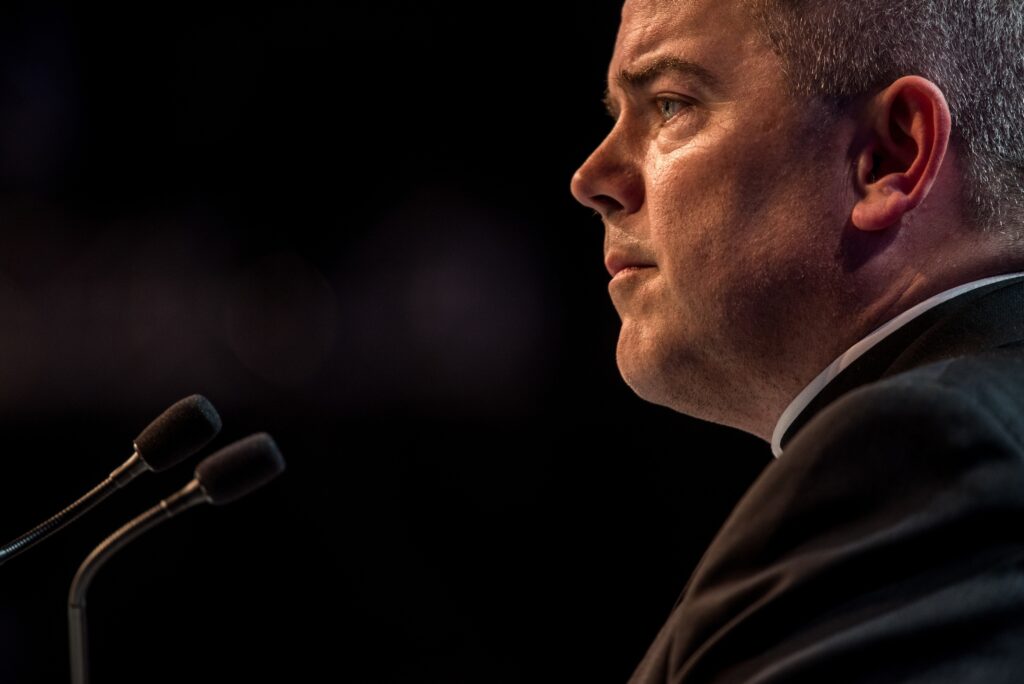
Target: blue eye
x=669, y=107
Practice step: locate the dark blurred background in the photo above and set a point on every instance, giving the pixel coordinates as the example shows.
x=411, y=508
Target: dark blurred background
x=347, y=224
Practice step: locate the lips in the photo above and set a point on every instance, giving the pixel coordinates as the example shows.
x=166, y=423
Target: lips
x=617, y=262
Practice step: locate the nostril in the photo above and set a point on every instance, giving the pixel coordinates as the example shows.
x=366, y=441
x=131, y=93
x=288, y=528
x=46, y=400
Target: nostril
x=609, y=184
x=606, y=203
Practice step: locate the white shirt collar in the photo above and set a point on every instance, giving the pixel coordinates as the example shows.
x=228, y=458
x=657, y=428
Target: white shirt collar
x=812, y=390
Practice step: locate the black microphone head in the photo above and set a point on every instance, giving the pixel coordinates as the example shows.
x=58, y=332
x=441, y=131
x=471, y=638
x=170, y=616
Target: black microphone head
x=240, y=468
x=180, y=431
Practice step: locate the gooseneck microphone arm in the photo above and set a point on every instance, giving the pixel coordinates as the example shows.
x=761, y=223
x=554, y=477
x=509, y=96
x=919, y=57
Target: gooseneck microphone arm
x=177, y=433
x=128, y=471
x=188, y=496
x=229, y=474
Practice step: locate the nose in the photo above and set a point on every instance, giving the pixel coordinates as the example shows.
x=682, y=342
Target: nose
x=609, y=181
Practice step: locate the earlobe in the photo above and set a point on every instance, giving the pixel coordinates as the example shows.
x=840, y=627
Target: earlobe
x=883, y=202
x=907, y=129
x=882, y=207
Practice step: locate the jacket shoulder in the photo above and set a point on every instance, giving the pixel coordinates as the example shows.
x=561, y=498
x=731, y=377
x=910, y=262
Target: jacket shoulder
x=890, y=524
x=980, y=393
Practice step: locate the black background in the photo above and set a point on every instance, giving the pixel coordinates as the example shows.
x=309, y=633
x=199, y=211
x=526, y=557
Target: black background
x=349, y=225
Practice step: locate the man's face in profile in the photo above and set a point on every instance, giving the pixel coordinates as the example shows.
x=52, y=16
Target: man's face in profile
x=715, y=193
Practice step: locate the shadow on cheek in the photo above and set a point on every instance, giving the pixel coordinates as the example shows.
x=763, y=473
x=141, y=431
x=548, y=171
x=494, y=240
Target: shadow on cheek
x=857, y=247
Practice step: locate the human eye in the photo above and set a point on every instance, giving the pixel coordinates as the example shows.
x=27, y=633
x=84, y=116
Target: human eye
x=670, y=107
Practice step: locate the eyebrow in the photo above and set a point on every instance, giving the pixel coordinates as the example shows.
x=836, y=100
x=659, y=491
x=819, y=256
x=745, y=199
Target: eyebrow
x=638, y=78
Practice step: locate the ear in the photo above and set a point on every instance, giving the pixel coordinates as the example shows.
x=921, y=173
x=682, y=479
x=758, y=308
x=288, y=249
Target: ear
x=908, y=126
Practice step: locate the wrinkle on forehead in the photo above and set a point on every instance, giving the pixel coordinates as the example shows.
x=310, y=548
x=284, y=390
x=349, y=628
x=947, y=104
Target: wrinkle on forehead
x=646, y=24
x=717, y=34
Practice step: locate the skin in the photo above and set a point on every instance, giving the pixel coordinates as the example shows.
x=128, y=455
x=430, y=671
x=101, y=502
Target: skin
x=765, y=234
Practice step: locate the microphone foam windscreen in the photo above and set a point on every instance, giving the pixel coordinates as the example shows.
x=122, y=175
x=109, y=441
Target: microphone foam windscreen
x=240, y=468
x=180, y=431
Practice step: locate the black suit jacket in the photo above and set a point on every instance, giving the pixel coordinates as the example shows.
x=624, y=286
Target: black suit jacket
x=886, y=544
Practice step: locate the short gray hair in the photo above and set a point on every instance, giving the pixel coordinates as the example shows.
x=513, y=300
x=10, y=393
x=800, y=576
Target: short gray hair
x=973, y=50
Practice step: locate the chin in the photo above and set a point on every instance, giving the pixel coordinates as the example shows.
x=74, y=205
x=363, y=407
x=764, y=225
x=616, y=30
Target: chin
x=643, y=373
x=670, y=381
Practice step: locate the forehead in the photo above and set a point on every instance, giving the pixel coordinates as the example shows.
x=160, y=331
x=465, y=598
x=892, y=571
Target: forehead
x=718, y=33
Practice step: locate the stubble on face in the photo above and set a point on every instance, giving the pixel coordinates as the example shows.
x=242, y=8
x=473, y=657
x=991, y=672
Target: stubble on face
x=734, y=217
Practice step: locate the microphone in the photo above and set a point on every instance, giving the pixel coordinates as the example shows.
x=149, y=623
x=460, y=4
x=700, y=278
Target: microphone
x=177, y=433
x=227, y=475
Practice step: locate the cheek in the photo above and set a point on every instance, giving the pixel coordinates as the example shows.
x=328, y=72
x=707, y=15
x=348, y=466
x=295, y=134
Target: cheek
x=732, y=227
x=703, y=206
